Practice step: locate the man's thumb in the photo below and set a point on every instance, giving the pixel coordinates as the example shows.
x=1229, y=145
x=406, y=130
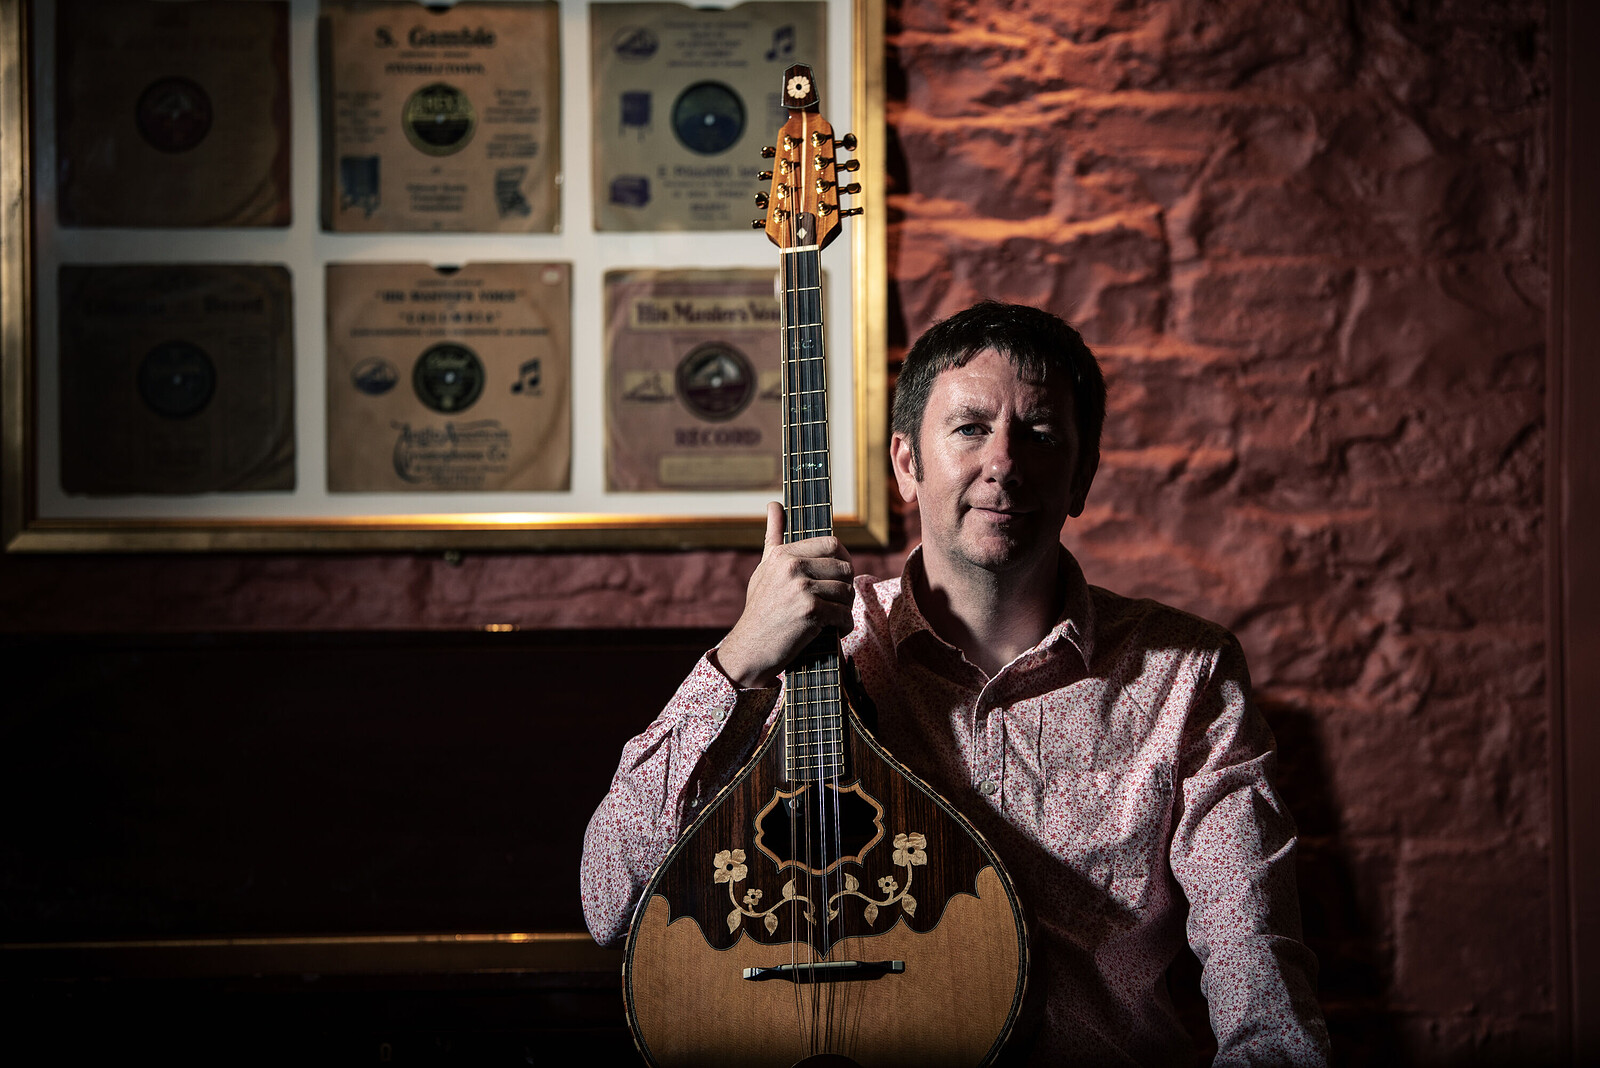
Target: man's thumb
x=774, y=536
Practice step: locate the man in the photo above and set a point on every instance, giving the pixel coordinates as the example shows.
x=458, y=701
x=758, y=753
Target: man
x=1106, y=747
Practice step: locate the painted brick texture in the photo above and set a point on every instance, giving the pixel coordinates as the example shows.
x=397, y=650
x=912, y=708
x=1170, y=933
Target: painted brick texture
x=1308, y=241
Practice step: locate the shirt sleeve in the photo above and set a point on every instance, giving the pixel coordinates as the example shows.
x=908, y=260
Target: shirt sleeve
x=665, y=774
x=1233, y=853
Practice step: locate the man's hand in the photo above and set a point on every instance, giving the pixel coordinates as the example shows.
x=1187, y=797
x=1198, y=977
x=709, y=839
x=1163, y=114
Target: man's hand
x=796, y=590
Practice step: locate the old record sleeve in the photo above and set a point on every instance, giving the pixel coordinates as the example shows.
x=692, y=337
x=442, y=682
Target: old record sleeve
x=176, y=379
x=683, y=100
x=449, y=379
x=693, y=381
x=172, y=114
x=441, y=118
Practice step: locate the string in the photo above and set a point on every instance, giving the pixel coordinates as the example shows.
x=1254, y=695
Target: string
x=814, y=727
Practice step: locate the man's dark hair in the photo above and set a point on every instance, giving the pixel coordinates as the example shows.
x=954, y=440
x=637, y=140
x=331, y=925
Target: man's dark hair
x=1039, y=345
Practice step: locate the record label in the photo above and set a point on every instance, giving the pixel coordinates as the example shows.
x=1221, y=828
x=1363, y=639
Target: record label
x=172, y=115
x=448, y=377
x=486, y=348
x=682, y=99
x=716, y=381
x=176, y=378
x=708, y=118
x=693, y=384
x=441, y=118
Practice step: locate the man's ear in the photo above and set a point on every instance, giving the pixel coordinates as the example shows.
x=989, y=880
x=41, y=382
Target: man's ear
x=1081, y=481
x=904, y=464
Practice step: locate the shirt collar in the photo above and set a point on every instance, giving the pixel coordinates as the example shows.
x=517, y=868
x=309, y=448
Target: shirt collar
x=1075, y=624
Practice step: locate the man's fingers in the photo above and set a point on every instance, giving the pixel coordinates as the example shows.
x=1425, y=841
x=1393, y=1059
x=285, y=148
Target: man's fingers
x=827, y=568
x=840, y=592
x=811, y=548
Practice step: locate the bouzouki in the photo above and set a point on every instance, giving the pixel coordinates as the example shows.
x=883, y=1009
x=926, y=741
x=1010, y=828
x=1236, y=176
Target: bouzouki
x=827, y=907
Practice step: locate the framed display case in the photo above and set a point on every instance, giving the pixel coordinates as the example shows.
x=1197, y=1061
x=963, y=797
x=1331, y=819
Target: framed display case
x=281, y=299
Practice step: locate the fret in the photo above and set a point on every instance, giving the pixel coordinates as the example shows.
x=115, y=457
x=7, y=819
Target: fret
x=831, y=679
x=820, y=771
x=834, y=727
x=814, y=727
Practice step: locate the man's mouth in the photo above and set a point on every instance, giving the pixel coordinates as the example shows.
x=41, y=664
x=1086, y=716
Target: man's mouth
x=1001, y=514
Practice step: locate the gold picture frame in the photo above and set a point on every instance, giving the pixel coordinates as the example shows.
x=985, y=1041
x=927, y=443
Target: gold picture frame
x=35, y=521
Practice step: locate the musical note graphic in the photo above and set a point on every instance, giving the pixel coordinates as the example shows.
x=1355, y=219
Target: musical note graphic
x=782, y=43
x=527, y=377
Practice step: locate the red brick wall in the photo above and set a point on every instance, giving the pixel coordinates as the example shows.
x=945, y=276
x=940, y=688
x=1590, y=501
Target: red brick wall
x=1309, y=244
x=1307, y=240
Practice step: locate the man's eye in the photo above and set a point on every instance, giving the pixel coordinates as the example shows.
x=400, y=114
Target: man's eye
x=1044, y=437
x=970, y=430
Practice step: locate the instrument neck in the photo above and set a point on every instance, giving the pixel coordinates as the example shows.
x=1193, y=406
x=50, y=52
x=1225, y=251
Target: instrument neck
x=814, y=726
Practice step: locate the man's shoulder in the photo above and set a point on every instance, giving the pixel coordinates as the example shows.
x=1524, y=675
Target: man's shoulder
x=1120, y=620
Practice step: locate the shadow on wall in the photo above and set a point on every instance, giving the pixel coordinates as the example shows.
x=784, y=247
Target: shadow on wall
x=1341, y=899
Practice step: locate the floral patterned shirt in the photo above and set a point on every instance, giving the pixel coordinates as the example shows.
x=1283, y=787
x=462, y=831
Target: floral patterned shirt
x=1119, y=769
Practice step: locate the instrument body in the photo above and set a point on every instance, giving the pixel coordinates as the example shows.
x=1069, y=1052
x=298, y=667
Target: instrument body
x=963, y=943
x=827, y=907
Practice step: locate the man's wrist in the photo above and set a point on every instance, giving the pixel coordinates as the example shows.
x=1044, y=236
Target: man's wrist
x=741, y=679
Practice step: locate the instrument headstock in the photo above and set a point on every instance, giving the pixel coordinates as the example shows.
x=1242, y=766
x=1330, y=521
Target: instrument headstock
x=806, y=170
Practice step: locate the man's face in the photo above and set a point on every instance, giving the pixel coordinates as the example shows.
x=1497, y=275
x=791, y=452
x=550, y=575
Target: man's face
x=1000, y=471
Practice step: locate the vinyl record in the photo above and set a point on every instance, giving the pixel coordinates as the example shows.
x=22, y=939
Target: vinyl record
x=681, y=99
x=440, y=118
x=693, y=390
x=176, y=378
x=486, y=351
x=172, y=114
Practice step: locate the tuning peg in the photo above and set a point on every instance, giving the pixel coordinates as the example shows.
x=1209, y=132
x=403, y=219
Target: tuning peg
x=768, y=151
x=853, y=187
x=847, y=212
x=763, y=176
x=850, y=165
x=827, y=207
x=819, y=138
x=761, y=200
x=758, y=224
x=849, y=142
x=790, y=142
x=823, y=185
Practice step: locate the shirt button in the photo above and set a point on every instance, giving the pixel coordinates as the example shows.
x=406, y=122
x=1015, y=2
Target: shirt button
x=722, y=714
x=987, y=787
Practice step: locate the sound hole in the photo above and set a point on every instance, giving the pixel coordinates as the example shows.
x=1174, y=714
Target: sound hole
x=819, y=826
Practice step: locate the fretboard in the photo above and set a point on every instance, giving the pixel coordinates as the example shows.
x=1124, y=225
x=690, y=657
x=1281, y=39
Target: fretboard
x=814, y=722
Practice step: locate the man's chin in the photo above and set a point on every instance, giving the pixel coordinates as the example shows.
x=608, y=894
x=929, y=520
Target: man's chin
x=998, y=553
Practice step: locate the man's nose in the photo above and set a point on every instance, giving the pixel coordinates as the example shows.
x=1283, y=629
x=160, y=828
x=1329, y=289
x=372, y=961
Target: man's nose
x=999, y=462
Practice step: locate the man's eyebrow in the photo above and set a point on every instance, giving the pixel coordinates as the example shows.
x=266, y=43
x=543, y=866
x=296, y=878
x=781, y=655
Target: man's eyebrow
x=966, y=413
